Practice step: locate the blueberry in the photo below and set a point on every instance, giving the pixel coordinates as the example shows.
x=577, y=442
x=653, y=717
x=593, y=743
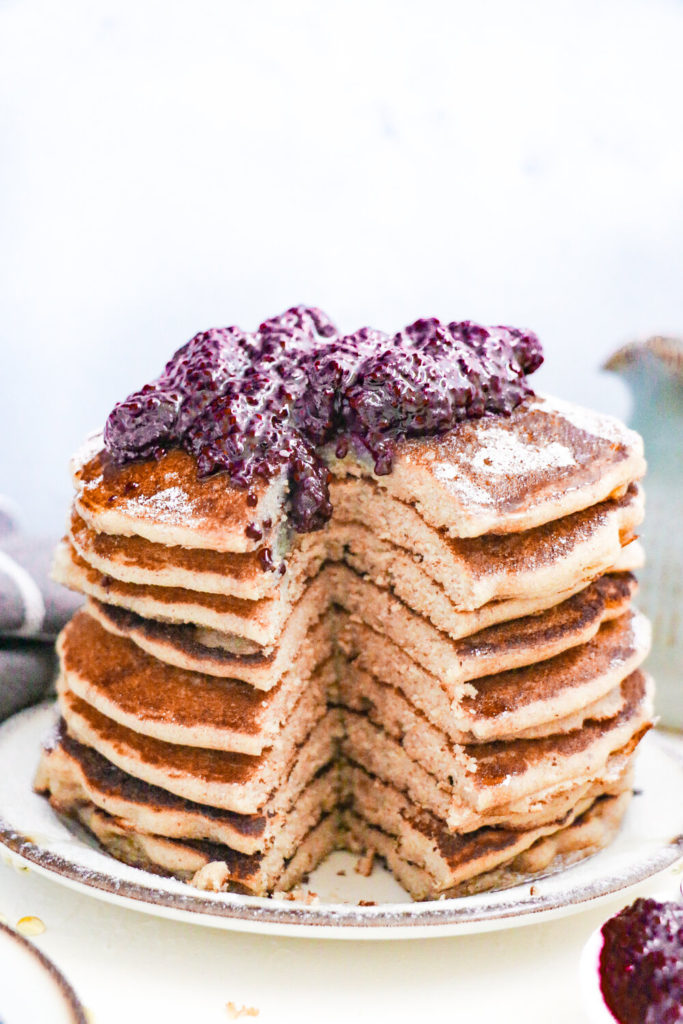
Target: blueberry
x=258, y=405
x=641, y=963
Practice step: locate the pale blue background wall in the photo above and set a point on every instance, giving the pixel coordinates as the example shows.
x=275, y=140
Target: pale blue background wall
x=169, y=166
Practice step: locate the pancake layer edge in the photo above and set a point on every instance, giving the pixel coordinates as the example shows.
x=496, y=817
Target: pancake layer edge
x=447, y=674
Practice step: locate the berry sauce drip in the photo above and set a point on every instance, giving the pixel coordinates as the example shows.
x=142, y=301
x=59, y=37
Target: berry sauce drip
x=255, y=405
x=641, y=963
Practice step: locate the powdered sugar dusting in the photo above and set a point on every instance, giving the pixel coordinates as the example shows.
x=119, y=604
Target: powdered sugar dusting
x=503, y=454
x=595, y=423
x=90, y=447
x=171, y=505
x=468, y=491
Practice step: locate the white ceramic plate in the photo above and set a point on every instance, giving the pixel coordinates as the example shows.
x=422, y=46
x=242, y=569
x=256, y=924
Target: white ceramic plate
x=651, y=839
x=32, y=988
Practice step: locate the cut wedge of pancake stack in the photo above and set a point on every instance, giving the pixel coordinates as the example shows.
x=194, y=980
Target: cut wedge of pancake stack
x=448, y=673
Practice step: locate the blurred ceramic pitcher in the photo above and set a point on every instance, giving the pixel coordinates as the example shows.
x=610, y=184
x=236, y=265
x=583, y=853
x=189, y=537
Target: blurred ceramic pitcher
x=653, y=370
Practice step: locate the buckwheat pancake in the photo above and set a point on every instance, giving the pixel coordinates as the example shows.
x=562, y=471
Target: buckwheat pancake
x=117, y=678
x=509, y=474
x=430, y=647
x=491, y=857
x=389, y=611
x=223, y=655
x=259, y=621
x=262, y=620
x=386, y=538
x=391, y=540
x=465, y=785
x=123, y=815
x=524, y=641
x=431, y=862
x=491, y=475
x=165, y=502
x=210, y=866
x=74, y=775
x=136, y=560
x=136, y=690
x=404, y=577
x=234, y=782
x=539, y=699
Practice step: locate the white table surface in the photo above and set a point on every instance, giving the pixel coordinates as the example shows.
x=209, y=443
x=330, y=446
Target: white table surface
x=130, y=966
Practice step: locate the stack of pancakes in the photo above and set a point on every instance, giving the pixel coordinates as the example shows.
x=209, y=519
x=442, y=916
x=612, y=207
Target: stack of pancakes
x=447, y=674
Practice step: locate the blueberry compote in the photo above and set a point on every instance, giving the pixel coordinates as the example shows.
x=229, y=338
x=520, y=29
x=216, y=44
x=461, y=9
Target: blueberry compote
x=256, y=404
x=641, y=963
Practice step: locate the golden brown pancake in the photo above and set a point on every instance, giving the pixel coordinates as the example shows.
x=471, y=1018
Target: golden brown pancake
x=546, y=460
x=118, y=679
x=523, y=641
x=165, y=501
x=447, y=672
x=211, y=866
x=544, y=698
x=384, y=537
x=388, y=538
x=493, y=782
x=432, y=862
x=74, y=774
x=235, y=782
x=136, y=560
x=492, y=475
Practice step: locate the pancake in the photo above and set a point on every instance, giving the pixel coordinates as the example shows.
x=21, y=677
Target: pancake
x=134, y=689
x=404, y=577
x=493, y=858
x=508, y=474
x=117, y=678
x=445, y=670
x=451, y=858
x=543, y=698
x=210, y=866
x=430, y=647
x=74, y=775
x=459, y=866
x=234, y=782
x=540, y=636
x=224, y=656
x=262, y=621
x=136, y=560
x=259, y=621
x=533, y=638
x=165, y=502
x=497, y=474
x=467, y=786
x=380, y=813
x=388, y=539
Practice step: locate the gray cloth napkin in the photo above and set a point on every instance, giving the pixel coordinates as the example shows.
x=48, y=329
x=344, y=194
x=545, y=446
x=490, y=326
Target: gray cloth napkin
x=33, y=609
x=27, y=674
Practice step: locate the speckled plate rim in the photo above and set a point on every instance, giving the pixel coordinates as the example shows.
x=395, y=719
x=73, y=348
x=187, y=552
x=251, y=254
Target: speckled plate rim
x=142, y=891
x=70, y=1000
